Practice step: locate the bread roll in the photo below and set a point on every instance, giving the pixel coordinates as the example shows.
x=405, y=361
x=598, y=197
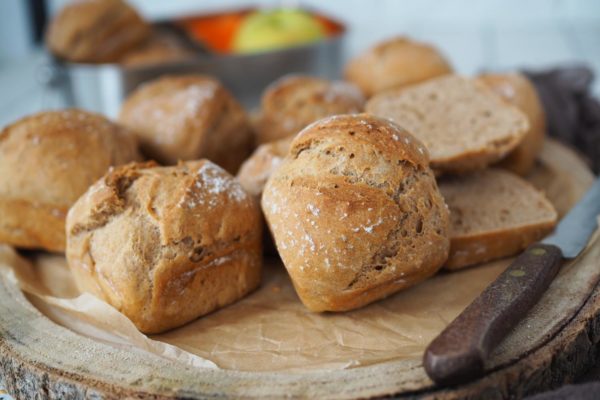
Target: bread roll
x=186, y=118
x=96, y=31
x=159, y=48
x=355, y=212
x=520, y=92
x=294, y=101
x=165, y=245
x=393, y=63
x=47, y=161
x=464, y=125
x=255, y=171
x=493, y=214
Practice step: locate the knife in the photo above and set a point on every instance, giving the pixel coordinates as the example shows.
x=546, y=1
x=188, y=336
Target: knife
x=459, y=353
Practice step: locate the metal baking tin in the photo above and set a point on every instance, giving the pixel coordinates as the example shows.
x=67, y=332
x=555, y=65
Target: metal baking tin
x=102, y=88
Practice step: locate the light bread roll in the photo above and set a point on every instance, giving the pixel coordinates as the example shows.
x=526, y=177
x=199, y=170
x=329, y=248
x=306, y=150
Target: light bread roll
x=394, y=63
x=520, y=92
x=294, y=101
x=47, y=161
x=165, y=245
x=355, y=212
x=96, y=31
x=257, y=169
x=493, y=214
x=189, y=117
x=159, y=48
x=463, y=124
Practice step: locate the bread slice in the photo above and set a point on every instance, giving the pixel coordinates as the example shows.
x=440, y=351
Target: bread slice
x=493, y=214
x=462, y=122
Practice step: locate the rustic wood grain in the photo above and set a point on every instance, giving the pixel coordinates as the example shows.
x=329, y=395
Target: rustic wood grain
x=42, y=360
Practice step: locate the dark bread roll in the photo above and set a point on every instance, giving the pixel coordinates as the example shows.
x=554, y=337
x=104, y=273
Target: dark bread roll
x=265, y=160
x=165, y=245
x=294, y=101
x=96, y=31
x=355, y=212
x=394, y=63
x=47, y=161
x=186, y=118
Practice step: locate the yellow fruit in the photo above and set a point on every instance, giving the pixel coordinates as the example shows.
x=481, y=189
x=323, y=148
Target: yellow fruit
x=269, y=30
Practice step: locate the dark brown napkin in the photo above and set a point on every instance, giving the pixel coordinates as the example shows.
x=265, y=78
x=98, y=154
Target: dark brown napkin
x=572, y=113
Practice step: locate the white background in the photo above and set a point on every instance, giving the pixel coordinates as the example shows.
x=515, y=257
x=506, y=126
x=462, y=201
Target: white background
x=474, y=35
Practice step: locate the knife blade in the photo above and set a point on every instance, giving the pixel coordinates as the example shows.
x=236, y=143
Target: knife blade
x=459, y=353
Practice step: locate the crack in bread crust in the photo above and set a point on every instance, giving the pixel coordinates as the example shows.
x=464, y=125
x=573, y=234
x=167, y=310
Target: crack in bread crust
x=117, y=182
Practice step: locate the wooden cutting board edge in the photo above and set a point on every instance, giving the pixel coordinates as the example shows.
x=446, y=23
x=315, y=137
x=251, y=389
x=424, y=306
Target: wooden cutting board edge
x=27, y=370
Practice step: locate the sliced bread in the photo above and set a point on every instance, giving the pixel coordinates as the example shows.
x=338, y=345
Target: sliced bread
x=493, y=214
x=462, y=122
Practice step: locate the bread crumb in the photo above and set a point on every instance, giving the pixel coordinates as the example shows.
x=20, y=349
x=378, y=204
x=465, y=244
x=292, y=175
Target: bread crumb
x=313, y=209
x=310, y=241
x=369, y=229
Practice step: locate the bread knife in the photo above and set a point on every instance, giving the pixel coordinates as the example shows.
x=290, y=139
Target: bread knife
x=458, y=355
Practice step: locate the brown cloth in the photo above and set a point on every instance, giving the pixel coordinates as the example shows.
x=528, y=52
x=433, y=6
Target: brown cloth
x=573, y=117
x=572, y=114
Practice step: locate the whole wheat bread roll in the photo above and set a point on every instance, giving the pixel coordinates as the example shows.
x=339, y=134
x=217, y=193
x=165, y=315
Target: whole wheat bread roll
x=355, y=212
x=47, y=161
x=255, y=171
x=165, y=245
x=463, y=124
x=96, y=31
x=188, y=117
x=493, y=214
x=294, y=101
x=520, y=92
x=159, y=48
x=393, y=63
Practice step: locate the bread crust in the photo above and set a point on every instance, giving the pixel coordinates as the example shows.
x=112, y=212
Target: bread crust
x=159, y=48
x=294, y=101
x=516, y=89
x=257, y=169
x=186, y=118
x=394, y=63
x=47, y=161
x=96, y=31
x=165, y=245
x=476, y=249
x=355, y=212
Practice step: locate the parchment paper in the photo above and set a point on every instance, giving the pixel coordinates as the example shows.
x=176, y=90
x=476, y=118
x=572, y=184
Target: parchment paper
x=270, y=330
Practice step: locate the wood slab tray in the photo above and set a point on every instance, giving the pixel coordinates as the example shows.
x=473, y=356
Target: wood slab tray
x=558, y=341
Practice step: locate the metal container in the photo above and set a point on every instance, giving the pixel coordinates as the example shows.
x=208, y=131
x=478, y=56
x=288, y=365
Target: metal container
x=102, y=88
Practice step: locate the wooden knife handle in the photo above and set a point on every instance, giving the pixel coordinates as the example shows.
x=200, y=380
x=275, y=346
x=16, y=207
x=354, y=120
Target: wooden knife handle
x=459, y=353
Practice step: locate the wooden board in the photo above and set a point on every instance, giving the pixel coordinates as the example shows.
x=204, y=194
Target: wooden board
x=40, y=359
